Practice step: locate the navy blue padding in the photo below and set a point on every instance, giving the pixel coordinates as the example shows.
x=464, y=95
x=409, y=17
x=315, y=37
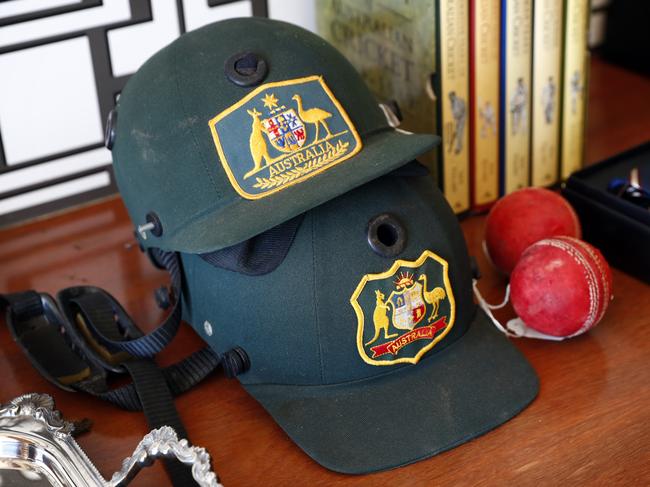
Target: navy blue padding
x=259, y=255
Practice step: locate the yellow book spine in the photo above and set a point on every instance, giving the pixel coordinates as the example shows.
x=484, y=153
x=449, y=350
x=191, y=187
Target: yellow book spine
x=516, y=87
x=454, y=101
x=485, y=105
x=574, y=94
x=547, y=65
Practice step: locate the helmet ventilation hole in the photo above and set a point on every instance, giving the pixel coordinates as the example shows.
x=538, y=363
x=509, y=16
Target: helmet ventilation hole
x=386, y=235
x=246, y=69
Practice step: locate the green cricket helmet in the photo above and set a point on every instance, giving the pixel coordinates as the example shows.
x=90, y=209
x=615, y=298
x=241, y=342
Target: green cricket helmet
x=242, y=125
x=363, y=340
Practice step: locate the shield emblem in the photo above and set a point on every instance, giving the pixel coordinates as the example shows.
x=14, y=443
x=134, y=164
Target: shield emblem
x=408, y=307
x=403, y=312
x=285, y=131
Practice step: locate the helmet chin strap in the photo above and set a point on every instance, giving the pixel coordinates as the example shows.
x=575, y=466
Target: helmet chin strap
x=515, y=327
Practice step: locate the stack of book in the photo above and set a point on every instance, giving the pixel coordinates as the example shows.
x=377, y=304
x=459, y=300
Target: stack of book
x=503, y=83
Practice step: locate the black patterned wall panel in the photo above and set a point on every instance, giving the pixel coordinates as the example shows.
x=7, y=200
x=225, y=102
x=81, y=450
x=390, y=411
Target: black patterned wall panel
x=62, y=64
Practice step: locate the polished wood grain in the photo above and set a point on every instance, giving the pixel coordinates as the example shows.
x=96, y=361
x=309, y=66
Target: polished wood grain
x=590, y=424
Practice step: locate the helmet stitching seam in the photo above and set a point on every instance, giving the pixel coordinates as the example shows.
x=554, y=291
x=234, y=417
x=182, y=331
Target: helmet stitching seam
x=190, y=128
x=314, y=294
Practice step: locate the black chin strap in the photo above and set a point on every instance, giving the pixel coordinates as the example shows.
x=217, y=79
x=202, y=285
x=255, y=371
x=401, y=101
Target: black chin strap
x=84, y=337
x=152, y=343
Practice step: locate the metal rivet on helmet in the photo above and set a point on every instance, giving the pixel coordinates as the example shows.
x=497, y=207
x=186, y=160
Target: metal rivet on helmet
x=246, y=69
x=157, y=229
x=386, y=235
x=153, y=225
x=109, y=134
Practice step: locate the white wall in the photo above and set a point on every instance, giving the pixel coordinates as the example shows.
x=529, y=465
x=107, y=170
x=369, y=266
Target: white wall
x=52, y=93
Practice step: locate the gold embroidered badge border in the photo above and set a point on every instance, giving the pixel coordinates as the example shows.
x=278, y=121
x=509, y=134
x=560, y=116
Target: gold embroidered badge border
x=427, y=254
x=300, y=175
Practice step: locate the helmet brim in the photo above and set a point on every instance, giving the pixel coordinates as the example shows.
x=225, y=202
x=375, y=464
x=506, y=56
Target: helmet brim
x=411, y=413
x=213, y=229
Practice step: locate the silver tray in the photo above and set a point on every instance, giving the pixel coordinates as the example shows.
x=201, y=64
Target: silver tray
x=37, y=449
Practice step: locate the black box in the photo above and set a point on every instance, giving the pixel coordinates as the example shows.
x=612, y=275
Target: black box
x=618, y=228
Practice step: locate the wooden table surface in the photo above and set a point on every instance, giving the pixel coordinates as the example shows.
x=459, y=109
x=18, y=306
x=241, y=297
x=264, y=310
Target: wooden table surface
x=590, y=424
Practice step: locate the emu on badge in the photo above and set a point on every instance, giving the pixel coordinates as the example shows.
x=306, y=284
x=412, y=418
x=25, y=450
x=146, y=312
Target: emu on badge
x=403, y=312
x=281, y=134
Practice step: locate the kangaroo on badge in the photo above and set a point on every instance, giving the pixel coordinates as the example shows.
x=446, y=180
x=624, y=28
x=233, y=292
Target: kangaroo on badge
x=380, y=318
x=259, y=151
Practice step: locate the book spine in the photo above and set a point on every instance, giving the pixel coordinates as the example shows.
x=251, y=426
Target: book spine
x=516, y=60
x=547, y=65
x=484, y=96
x=392, y=44
x=574, y=82
x=453, y=100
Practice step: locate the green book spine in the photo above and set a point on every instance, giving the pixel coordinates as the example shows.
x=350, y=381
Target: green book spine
x=392, y=43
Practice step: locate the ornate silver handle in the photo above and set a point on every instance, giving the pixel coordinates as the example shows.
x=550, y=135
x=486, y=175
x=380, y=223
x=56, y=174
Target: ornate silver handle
x=36, y=445
x=164, y=443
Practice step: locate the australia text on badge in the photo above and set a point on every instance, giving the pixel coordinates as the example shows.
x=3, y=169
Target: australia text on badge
x=282, y=133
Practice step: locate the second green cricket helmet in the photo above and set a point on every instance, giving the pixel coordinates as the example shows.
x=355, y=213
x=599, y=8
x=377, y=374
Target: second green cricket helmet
x=240, y=126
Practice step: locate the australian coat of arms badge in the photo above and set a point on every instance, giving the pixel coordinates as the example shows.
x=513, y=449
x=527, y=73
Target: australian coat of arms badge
x=403, y=312
x=282, y=133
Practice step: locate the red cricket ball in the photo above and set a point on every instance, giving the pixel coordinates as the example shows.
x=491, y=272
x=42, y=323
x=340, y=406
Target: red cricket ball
x=561, y=286
x=523, y=217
